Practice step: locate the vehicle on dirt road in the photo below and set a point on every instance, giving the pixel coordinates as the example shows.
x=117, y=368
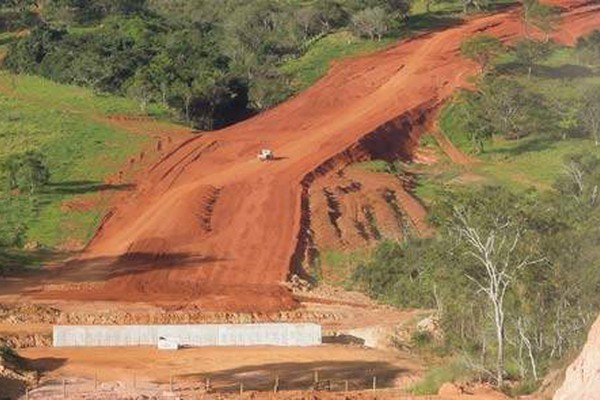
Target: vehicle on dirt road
x=265, y=155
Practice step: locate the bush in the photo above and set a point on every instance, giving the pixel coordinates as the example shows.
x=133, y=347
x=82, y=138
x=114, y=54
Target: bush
x=371, y=22
x=588, y=47
x=27, y=172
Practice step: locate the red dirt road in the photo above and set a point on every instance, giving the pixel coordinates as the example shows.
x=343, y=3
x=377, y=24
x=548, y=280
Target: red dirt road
x=210, y=225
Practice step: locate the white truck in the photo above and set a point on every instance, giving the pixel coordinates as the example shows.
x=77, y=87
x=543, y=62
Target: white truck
x=265, y=155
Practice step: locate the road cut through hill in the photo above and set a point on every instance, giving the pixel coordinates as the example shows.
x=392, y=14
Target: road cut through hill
x=210, y=225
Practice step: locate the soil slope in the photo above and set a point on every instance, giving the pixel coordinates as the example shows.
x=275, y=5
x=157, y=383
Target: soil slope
x=212, y=226
x=582, y=380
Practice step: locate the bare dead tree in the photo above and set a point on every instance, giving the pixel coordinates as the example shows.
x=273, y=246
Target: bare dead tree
x=576, y=174
x=525, y=340
x=590, y=113
x=495, y=251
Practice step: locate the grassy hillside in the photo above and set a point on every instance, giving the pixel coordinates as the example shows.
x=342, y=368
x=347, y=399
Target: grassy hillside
x=84, y=153
x=534, y=161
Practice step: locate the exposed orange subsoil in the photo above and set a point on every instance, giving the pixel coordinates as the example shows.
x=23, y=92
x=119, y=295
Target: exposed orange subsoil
x=213, y=226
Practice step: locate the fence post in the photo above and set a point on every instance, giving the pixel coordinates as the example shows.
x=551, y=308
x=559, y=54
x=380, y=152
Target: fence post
x=374, y=382
x=171, y=383
x=241, y=388
x=316, y=376
x=346, y=386
x=207, y=385
x=96, y=381
x=64, y=388
x=276, y=386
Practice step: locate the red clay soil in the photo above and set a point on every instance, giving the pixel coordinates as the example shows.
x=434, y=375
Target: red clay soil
x=214, y=227
x=355, y=208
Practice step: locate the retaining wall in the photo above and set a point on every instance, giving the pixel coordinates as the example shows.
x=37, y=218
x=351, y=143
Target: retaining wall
x=278, y=334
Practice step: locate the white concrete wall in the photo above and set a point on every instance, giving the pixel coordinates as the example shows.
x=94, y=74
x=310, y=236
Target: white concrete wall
x=277, y=334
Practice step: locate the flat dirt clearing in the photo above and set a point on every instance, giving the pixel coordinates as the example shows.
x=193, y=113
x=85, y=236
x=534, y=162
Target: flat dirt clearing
x=227, y=367
x=126, y=373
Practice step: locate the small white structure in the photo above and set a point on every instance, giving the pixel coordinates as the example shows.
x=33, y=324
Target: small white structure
x=260, y=334
x=165, y=343
x=265, y=155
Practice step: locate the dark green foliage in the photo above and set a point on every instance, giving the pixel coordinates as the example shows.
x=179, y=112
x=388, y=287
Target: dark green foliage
x=510, y=109
x=589, y=47
x=8, y=353
x=17, y=14
x=213, y=62
x=551, y=299
x=395, y=269
x=27, y=172
x=26, y=55
x=14, y=213
x=530, y=51
x=89, y=11
x=503, y=107
x=422, y=338
x=142, y=58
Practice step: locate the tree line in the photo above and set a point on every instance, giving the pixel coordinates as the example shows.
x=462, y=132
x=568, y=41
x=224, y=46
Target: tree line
x=513, y=277
x=213, y=62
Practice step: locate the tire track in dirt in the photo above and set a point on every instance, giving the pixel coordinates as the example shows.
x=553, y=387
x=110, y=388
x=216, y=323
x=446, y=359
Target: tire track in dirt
x=370, y=107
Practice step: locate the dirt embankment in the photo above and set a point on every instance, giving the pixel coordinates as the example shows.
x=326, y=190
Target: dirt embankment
x=211, y=226
x=582, y=380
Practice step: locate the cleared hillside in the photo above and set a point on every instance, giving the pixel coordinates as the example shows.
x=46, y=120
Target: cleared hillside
x=213, y=226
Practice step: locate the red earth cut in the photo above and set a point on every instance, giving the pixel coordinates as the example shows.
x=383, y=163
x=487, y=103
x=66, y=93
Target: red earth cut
x=212, y=226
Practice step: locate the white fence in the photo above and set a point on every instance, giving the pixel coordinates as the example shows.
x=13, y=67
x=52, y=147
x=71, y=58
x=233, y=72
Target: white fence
x=276, y=334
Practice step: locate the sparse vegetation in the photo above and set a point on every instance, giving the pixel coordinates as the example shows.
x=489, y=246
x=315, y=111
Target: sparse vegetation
x=438, y=375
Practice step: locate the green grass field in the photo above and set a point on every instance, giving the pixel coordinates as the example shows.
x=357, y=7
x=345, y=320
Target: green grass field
x=71, y=98
x=66, y=124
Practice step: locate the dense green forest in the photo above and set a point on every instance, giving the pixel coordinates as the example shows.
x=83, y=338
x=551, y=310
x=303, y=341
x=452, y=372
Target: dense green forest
x=513, y=271
x=213, y=62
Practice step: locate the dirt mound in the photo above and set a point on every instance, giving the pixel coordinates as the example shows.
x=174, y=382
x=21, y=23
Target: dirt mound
x=211, y=225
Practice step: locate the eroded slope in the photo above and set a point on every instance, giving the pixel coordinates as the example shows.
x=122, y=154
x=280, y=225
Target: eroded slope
x=213, y=226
